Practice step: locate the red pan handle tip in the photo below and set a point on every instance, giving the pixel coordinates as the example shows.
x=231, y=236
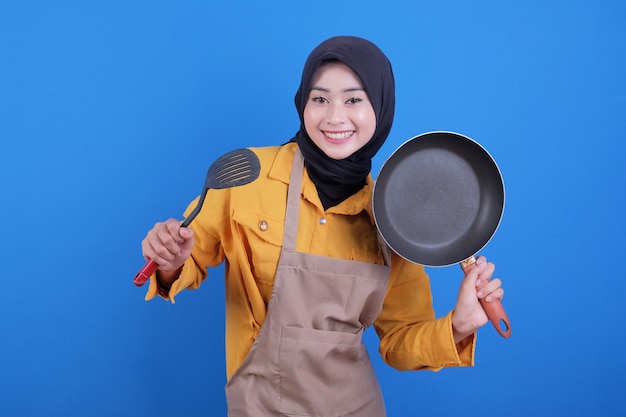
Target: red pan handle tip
x=494, y=309
x=145, y=273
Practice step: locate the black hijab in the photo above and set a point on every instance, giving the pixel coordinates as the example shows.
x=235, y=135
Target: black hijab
x=337, y=180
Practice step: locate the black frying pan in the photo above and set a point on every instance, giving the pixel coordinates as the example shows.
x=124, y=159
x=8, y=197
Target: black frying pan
x=437, y=201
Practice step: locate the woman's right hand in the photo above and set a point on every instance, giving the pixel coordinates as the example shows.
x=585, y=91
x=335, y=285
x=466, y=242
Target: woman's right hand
x=169, y=245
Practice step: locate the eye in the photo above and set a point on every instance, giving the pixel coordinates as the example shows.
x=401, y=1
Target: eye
x=319, y=99
x=354, y=100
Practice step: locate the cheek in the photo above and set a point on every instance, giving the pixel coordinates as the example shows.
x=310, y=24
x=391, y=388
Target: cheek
x=310, y=120
x=368, y=122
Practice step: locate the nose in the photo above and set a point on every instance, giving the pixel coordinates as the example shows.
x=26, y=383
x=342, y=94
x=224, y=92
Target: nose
x=336, y=113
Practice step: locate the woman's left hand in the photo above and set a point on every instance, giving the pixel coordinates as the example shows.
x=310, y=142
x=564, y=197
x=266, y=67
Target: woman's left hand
x=468, y=315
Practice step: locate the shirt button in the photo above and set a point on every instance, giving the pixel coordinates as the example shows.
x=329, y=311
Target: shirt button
x=263, y=226
x=323, y=220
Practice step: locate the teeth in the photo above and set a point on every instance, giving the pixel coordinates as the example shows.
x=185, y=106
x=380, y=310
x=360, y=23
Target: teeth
x=338, y=136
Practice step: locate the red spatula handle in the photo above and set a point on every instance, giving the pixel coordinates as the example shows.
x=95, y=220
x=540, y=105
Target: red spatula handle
x=494, y=309
x=145, y=273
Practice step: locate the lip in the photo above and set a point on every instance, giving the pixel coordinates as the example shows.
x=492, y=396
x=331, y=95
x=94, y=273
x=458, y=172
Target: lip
x=338, y=137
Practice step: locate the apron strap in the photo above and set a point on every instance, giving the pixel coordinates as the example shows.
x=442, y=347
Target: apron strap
x=293, y=202
x=384, y=248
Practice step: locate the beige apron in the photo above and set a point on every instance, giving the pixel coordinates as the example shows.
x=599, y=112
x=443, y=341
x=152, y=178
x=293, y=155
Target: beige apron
x=308, y=359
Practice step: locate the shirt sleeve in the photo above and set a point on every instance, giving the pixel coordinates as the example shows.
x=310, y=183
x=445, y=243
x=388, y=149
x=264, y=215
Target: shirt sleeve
x=190, y=278
x=411, y=337
x=207, y=250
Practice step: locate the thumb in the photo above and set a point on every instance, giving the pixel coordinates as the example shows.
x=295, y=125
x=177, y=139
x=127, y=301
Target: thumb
x=185, y=233
x=472, y=272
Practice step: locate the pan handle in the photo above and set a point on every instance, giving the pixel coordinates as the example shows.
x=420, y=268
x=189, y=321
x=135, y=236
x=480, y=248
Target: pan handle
x=494, y=310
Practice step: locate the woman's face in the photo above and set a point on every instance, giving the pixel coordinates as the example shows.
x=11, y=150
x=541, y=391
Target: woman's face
x=338, y=115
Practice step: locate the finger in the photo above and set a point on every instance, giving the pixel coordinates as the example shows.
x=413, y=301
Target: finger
x=158, y=253
x=170, y=237
x=485, y=274
x=481, y=260
x=159, y=245
x=173, y=228
x=492, y=289
x=150, y=242
x=166, y=244
x=496, y=295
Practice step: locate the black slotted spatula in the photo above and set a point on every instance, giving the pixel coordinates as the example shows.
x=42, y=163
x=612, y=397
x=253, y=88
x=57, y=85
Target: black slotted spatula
x=235, y=168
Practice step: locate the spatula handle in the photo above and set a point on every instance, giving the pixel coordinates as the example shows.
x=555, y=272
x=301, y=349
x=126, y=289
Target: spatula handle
x=145, y=273
x=494, y=309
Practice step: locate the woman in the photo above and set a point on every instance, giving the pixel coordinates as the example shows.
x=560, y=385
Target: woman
x=305, y=270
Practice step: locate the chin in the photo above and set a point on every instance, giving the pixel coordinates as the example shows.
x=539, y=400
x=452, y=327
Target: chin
x=337, y=155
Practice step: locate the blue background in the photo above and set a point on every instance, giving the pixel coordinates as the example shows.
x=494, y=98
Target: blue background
x=111, y=112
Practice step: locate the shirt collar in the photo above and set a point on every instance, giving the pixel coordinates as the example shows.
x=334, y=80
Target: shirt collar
x=353, y=205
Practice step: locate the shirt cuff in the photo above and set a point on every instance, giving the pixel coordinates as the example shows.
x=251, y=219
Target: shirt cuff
x=185, y=279
x=465, y=349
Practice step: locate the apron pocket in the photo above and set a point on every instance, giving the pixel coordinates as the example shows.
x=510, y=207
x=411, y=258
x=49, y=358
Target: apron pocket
x=323, y=372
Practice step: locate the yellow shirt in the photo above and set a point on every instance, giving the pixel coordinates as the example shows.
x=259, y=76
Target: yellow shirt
x=244, y=227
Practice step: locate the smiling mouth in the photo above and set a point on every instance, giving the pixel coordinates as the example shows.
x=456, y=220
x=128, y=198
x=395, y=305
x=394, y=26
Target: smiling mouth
x=338, y=136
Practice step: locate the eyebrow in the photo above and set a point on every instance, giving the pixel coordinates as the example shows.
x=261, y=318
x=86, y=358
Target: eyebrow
x=347, y=90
